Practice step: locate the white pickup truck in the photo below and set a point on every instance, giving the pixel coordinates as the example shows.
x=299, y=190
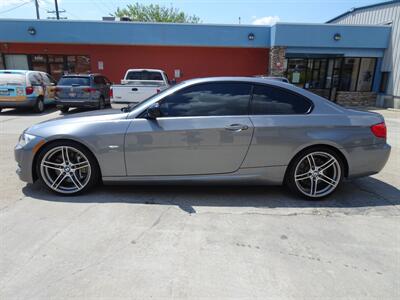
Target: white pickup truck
x=138, y=85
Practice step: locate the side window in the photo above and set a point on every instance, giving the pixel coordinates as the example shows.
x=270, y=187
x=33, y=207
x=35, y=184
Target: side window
x=209, y=99
x=46, y=79
x=106, y=80
x=269, y=100
x=50, y=79
x=35, y=78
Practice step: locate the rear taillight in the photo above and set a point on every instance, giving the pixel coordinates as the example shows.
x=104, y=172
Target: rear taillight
x=111, y=93
x=89, y=90
x=29, y=90
x=379, y=130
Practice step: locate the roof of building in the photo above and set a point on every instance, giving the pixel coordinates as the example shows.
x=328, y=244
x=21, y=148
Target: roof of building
x=203, y=35
x=354, y=9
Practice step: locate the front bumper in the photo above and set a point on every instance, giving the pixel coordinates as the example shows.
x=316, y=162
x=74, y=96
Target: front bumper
x=24, y=156
x=367, y=160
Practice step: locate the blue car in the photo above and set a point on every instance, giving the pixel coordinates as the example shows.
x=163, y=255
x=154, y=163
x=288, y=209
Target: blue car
x=26, y=89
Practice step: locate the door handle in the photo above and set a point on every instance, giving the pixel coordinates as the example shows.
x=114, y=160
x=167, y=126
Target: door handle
x=236, y=127
x=134, y=89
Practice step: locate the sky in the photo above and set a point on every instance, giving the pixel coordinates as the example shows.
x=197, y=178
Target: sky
x=259, y=12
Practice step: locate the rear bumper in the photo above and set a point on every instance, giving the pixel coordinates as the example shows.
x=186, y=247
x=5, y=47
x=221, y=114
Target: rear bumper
x=367, y=160
x=76, y=103
x=17, y=104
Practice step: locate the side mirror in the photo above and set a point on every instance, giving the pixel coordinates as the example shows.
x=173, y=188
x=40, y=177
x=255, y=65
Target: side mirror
x=153, y=112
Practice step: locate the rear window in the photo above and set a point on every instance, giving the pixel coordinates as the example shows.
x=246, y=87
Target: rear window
x=12, y=79
x=143, y=75
x=74, y=80
x=268, y=100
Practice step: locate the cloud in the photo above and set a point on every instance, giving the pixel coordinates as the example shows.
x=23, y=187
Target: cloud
x=269, y=20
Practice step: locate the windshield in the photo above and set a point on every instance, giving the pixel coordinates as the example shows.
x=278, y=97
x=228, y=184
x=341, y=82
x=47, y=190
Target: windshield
x=143, y=75
x=74, y=80
x=160, y=95
x=12, y=79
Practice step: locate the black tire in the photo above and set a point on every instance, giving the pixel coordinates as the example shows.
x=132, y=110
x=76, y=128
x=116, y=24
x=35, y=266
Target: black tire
x=0, y=109
x=39, y=105
x=94, y=178
x=64, y=109
x=102, y=103
x=316, y=176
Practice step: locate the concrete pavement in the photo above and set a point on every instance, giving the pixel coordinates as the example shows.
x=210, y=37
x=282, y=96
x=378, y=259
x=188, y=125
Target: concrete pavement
x=198, y=242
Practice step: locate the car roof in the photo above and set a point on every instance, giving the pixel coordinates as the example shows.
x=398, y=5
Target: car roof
x=21, y=72
x=82, y=75
x=260, y=80
x=149, y=70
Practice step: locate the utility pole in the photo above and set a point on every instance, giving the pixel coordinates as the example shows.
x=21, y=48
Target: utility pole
x=57, y=12
x=37, y=9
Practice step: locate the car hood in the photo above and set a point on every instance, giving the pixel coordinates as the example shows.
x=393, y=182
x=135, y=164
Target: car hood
x=81, y=118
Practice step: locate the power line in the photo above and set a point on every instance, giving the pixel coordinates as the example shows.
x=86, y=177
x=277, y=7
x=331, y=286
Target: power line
x=15, y=7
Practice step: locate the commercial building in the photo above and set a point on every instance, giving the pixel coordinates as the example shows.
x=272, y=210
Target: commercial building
x=385, y=13
x=340, y=62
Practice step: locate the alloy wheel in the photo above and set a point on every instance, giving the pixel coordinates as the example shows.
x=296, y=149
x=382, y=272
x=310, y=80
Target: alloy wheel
x=317, y=174
x=65, y=169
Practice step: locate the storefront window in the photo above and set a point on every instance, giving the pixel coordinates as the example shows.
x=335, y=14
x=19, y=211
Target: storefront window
x=1, y=62
x=348, y=81
x=366, y=74
x=341, y=73
x=39, y=63
x=297, y=71
x=78, y=64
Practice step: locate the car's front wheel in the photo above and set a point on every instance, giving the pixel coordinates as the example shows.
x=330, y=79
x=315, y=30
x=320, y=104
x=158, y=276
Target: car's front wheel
x=315, y=173
x=67, y=168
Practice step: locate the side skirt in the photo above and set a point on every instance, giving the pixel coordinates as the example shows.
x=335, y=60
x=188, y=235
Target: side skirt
x=263, y=175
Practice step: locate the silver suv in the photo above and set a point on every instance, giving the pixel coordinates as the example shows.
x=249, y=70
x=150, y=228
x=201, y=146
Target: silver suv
x=83, y=90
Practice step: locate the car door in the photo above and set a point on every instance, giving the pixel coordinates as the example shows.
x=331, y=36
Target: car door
x=282, y=124
x=49, y=86
x=204, y=129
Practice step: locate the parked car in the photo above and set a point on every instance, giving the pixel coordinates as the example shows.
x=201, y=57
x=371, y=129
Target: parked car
x=138, y=85
x=215, y=130
x=26, y=89
x=83, y=90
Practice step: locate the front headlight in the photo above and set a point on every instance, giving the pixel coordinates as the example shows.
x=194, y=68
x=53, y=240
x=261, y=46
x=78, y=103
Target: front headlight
x=25, y=138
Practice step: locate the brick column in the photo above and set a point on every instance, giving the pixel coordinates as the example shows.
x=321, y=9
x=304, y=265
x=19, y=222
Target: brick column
x=277, y=61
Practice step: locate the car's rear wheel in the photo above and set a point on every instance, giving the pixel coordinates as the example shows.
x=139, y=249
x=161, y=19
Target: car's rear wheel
x=39, y=105
x=315, y=173
x=67, y=168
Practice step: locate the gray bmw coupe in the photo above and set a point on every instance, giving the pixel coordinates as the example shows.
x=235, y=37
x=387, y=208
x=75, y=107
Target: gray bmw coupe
x=212, y=130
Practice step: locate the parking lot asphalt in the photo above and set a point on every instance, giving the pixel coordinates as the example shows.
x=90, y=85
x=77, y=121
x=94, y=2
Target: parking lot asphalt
x=192, y=242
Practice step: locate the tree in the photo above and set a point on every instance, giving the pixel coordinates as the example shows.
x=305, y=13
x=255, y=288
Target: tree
x=155, y=13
